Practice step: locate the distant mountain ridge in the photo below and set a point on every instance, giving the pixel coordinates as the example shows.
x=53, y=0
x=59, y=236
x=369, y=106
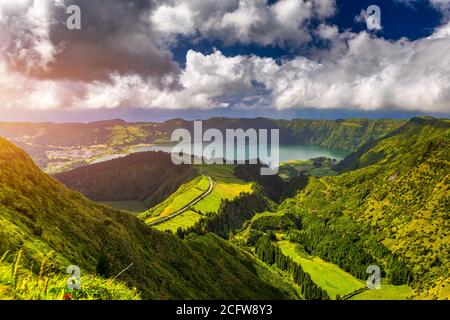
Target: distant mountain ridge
x=42, y=140
x=321, y=132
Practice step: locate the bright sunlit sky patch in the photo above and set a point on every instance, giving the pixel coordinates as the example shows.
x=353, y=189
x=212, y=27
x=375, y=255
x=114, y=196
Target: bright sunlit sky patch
x=138, y=58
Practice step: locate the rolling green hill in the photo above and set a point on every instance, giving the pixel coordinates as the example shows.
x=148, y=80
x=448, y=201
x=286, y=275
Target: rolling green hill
x=147, y=177
x=185, y=194
x=346, y=134
x=227, y=186
x=39, y=215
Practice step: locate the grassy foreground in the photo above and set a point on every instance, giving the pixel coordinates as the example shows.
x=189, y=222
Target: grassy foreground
x=19, y=283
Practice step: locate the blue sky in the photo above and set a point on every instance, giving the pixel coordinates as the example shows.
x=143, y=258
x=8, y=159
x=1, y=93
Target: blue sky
x=414, y=21
x=155, y=59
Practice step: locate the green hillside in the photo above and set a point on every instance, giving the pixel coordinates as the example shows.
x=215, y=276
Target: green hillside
x=185, y=220
x=385, y=204
x=39, y=215
x=226, y=187
x=398, y=196
x=185, y=194
x=389, y=207
x=346, y=134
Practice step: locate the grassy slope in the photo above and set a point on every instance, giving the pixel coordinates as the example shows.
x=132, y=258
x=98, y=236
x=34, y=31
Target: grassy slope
x=348, y=134
x=326, y=275
x=226, y=187
x=185, y=194
x=40, y=215
x=184, y=220
x=400, y=191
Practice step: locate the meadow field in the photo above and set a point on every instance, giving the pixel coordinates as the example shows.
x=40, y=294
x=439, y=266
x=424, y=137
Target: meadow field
x=326, y=275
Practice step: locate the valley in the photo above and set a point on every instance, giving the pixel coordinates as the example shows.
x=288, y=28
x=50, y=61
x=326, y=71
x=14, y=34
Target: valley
x=215, y=159
x=308, y=233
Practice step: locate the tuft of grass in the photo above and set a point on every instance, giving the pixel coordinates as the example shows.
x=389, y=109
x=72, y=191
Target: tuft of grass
x=15, y=267
x=4, y=256
x=23, y=284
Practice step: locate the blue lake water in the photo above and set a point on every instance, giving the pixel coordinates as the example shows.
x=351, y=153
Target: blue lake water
x=286, y=152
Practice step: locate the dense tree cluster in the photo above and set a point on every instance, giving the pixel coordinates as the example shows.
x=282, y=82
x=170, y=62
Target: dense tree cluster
x=232, y=214
x=348, y=251
x=332, y=247
x=283, y=221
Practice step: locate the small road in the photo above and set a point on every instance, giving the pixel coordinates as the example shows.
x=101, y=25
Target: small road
x=354, y=293
x=186, y=207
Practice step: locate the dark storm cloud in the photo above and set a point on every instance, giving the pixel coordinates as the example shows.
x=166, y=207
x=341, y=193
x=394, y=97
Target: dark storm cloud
x=115, y=37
